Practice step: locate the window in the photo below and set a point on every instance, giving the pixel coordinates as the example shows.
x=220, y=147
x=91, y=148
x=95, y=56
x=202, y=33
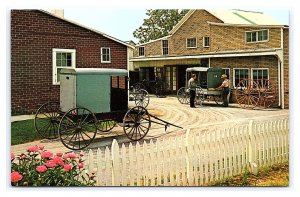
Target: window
x=165, y=47
x=105, y=55
x=239, y=74
x=191, y=43
x=257, y=36
x=206, y=42
x=141, y=51
x=62, y=58
x=258, y=74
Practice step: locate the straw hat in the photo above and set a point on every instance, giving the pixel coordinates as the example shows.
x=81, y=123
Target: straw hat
x=223, y=76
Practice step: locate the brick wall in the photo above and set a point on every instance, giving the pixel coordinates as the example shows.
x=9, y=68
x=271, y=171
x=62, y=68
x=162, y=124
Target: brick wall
x=33, y=36
x=229, y=38
x=269, y=62
x=286, y=66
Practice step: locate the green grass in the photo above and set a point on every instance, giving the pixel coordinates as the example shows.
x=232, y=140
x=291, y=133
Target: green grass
x=23, y=131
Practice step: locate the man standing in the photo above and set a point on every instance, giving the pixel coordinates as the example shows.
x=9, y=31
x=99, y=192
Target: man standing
x=225, y=87
x=192, y=87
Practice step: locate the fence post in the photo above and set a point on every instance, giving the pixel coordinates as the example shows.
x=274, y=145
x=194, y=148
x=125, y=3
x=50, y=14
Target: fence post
x=252, y=163
x=115, y=154
x=187, y=157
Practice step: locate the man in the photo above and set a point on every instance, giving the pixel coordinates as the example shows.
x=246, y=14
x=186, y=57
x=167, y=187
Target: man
x=192, y=87
x=225, y=87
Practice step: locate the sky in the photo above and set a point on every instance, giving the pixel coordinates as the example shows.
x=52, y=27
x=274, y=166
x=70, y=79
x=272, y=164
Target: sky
x=121, y=23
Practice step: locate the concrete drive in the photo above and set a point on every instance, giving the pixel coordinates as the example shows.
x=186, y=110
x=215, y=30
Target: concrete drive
x=205, y=118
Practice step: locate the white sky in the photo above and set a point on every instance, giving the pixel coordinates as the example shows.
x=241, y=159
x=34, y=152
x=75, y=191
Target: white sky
x=121, y=23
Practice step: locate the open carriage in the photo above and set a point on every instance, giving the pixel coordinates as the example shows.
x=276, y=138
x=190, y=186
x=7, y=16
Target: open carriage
x=92, y=102
x=207, y=80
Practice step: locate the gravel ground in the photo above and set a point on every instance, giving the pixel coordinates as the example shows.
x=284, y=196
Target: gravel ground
x=209, y=116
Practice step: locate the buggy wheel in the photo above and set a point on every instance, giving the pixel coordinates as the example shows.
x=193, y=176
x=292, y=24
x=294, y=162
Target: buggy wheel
x=142, y=98
x=183, y=95
x=199, y=96
x=46, y=120
x=247, y=93
x=136, y=123
x=106, y=125
x=138, y=86
x=268, y=93
x=77, y=128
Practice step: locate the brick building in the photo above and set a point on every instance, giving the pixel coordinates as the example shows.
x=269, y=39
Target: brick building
x=42, y=43
x=245, y=44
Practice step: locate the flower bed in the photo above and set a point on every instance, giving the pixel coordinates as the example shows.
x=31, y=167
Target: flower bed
x=39, y=167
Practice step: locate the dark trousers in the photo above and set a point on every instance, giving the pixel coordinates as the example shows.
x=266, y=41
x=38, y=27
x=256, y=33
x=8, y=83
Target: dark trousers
x=225, y=96
x=192, y=98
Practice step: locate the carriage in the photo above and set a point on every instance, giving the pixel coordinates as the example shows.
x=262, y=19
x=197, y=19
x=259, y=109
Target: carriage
x=92, y=102
x=208, y=79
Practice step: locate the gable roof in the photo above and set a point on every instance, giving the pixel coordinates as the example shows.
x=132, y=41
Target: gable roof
x=88, y=28
x=233, y=17
x=241, y=17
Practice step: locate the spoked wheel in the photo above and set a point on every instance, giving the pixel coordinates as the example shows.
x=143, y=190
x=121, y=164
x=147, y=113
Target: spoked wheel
x=106, y=125
x=141, y=98
x=136, y=123
x=138, y=86
x=247, y=93
x=46, y=120
x=183, y=95
x=218, y=99
x=77, y=128
x=267, y=93
x=199, y=96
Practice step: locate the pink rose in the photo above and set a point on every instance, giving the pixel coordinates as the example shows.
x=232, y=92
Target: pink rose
x=59, y=161
x=33, y=149
x=41, y=168
x=23, y=157
x=51, y=164
x=80, y=165
x=59, y=154
x=12, y=156
x=67, y=167
x=41, y=147
x=46, y=154
x=70, y=155
x=15, y=177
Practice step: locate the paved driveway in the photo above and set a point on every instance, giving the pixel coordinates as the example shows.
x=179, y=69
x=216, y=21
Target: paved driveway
x=205, y=118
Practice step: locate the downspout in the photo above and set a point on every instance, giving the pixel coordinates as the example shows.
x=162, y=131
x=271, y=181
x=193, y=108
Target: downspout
x=282, y=72
x=208, y=62
x=279, y=79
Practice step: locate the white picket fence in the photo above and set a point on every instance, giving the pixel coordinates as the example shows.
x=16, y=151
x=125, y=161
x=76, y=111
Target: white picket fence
x=194, y=159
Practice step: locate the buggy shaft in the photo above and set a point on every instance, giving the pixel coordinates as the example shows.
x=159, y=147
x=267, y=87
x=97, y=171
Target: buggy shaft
x=166, y=123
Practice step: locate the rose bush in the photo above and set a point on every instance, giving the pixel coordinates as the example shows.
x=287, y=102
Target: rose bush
x=39, y=167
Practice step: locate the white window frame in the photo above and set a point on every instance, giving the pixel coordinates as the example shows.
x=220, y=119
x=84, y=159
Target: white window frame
x=233, y=74
x=162, y=47
x=256, y=31
x=204, y=42
x=228, y=71
x=139, y=51
x=102, y=61
x=54, y=67
x=191, y=47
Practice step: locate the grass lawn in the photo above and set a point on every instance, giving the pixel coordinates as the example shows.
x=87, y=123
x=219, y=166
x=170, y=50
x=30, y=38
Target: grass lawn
x=277, y=175
x=23, y=131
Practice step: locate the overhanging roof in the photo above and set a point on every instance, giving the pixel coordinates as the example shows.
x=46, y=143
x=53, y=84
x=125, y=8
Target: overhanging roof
x=240, y=53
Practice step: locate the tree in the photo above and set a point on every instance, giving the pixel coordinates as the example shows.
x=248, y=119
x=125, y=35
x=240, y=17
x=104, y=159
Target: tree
x=158, y=24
